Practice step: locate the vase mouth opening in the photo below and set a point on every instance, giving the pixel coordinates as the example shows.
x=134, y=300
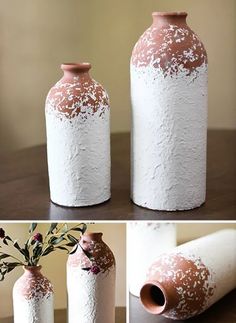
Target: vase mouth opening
x=153, y=297
x=169, y=14
x=76, y=67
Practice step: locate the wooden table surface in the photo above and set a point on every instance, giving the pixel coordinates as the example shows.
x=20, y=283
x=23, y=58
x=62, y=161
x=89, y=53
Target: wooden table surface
x=61, y=316
x=24, y=193
x=224, y=311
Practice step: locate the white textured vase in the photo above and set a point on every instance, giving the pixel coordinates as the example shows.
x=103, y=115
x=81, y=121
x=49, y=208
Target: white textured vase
x=169, y=116
x=145, y=242
x=91, y=282
x=33, y=298
x=78, y=139
x=186, y=281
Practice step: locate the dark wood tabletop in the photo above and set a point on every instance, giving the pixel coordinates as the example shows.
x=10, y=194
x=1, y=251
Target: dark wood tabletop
x=61, y=316
x=224, y=311
x=24, y=192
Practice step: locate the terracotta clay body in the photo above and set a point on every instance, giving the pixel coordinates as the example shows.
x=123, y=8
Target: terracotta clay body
x=169, y=116
x=78, y=139
x=91, y=282
x=186, y=281
x=33, y=298
x=142, y=237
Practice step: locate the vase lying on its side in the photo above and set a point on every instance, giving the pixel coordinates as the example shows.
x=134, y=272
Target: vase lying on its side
x=189, y=279
x=146, y=241
x=169, y=116
x=91, y=281
x=33, y=297
x=78, y=138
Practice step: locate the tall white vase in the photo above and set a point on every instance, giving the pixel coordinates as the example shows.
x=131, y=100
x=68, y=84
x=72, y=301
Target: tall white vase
x=169, y=116
x=186, y=281
x=33, y=298
x=146, y=241
x=78, y=139
x=91, y=282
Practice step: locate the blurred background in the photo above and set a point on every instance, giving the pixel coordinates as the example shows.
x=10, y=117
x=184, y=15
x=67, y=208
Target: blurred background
x=54, y=265
x=37, y=36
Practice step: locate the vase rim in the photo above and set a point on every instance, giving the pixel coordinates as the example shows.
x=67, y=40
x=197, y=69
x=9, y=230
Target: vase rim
x=150, y=305
x=76, y=67
x=171, y=13
x=93, y=235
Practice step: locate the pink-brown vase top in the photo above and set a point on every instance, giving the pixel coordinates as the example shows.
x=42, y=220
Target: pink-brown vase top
x=169, y=45
x=100, y=253
x=177, y=287
x=33, y=284
x=77, y=94
x=76, y=68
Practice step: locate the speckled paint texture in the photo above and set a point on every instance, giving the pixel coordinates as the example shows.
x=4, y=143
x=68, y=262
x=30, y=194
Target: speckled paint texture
x=33, y=299
x=145, y=242
x=169, y=117
x=78, y=141
x=91, y=292
x=196, y=274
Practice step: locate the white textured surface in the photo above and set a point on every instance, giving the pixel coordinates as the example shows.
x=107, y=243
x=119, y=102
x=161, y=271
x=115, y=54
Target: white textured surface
x=79, y=157
x=35, y=310
x=214, y=257
x=91, y=297
x=33, y=300
x=169, y=124
x=146, y=241
x=217, y=252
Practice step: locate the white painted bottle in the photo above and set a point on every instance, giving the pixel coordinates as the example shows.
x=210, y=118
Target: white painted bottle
x=78, y=139
x=145, y=242
x=169, y=116
x=186, y=281
x=91, y=282
x=33, y=298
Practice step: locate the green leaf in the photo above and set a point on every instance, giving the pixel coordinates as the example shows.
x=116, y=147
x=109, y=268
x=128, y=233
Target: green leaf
x=52, y=239
x=58, y=240
x=72, y=239
x=52, y=228
x=64, y=228
x=37, y=251
x=22, y=251
x=48, y=250
x=16, y=245
x=13, y=264
x=32, y=227
x=82, y=230
x=5, y=241
x=8, y=238
x=70, y=244
x=4, y=255
x=26, y=250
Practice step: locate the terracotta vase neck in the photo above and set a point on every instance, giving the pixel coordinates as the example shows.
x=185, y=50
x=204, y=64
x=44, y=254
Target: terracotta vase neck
x=32, y=270
x=91, y=236
x=169, y=18
x=154, y=297
x=76, y=70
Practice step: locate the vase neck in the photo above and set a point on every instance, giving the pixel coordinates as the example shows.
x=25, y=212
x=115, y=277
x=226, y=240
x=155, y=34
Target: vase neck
x=72, y=70
x=33, y=270
x=91, y=236
x=169, y=18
